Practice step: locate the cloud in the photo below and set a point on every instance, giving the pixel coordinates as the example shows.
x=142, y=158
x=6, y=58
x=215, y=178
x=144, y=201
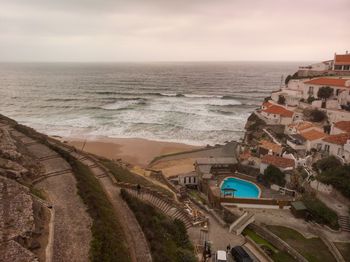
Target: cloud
x=109, y=30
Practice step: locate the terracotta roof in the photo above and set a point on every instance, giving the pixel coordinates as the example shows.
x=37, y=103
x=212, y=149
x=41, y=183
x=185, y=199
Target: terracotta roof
x=279, y=110
x=270, y=146
x=342, y=59
x=313, y=135
x=245, y=155
x=267, y=104
x=327, y=81
x=302, y=125
x=343, y=125
x=278, y=161
x=339, y=139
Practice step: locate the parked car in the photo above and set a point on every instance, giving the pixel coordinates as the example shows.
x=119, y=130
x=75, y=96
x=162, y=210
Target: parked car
x=240, y=255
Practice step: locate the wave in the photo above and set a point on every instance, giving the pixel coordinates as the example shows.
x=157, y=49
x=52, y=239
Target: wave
x=123, y=104
x=63, y=99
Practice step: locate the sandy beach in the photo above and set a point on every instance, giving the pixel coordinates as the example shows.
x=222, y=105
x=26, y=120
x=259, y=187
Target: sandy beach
x=136, y=151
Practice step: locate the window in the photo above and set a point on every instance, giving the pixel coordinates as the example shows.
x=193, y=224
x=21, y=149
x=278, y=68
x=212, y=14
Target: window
x=340, y=151
x=326, y=148
x=347, y=67
x=311, y=90
x=337, y=67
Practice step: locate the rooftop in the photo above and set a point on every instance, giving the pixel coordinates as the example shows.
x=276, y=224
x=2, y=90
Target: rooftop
x=339, y=139
x=302, y=125
x=313, y=135
x=278, y=161
x=270, y=146
x=328, y=81
x=343, y=125
x=279, y=110
x=342, y=59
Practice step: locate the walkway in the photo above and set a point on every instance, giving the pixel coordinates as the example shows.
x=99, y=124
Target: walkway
x=70, y=235
x=137, y=243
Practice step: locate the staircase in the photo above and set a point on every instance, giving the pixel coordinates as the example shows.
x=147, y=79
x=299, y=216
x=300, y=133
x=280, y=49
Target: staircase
x=344, y=223
x=164, y=205
x=240, y=224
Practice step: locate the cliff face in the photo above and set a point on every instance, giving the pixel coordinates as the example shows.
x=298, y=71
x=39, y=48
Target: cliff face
x=38, y=214
x=254, y=129
x=21, y=215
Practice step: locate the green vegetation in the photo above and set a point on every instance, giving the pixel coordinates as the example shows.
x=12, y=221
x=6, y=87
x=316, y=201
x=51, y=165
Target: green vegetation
x=108, y=240
x=37, y=192
x=124, y=175
x=197, y=196
x=319, y=212
x=310, y=99
x=344, y=248
x=312, y=249
x=325, y=92
x=276, y=254
x=339, y=177
x=168, y=239
x=317, y=115
x=326, y=163
x=272, y=175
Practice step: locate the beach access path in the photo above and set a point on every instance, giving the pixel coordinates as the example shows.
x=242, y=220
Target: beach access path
x=71, y=234
x=137, y=242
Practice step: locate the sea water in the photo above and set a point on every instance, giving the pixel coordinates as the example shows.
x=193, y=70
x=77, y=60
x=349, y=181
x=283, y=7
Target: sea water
x=196, y=103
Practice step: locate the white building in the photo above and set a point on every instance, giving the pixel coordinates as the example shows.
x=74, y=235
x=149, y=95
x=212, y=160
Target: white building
x=275, y=114
x=338, y=145
x=313, y=139
x=342, y=62
x=283, y=164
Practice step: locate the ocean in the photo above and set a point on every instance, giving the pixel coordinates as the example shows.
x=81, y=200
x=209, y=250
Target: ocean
x=196, y=103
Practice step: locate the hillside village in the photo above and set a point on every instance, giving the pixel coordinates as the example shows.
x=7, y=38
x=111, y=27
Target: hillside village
x=306, y=120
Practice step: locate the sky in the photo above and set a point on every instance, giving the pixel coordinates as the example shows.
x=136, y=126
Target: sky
x=173, y=30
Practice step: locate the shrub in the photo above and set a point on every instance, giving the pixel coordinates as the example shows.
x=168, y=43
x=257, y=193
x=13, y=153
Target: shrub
x=310, y=99
x=328, y=163
x=325, y=92
x=337, y=176
x=319, y=212
x=317, y=115
x=168, y=238
x=272, y=175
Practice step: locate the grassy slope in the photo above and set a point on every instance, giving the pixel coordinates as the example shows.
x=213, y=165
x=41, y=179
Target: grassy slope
x=344, y=249
x=313, y=249
x=168, y=239
x=108, y=242
x=124, y=175
x=278, y=255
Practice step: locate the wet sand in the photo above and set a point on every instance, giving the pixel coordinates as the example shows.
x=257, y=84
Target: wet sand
x=136, y=151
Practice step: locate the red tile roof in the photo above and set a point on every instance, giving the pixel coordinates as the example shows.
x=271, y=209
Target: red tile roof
x=302, y=125
x=270, y=146
x=267, y=104
x=279, y=110
x=313, y=135
x=343, y=125
x=339, y=139
x=326, y=81
x=278, y=161
x=342, y=59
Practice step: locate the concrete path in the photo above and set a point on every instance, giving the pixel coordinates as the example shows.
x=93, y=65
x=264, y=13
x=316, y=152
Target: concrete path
x=70, y=234
x=137, y=242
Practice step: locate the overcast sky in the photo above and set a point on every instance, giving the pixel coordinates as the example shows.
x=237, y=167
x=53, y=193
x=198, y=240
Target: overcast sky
x=173, y=30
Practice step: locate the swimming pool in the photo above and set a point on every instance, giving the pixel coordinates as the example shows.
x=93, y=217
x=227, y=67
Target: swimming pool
x=242, y=188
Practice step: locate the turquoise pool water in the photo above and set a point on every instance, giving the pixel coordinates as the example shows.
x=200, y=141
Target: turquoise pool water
x=243, y=189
